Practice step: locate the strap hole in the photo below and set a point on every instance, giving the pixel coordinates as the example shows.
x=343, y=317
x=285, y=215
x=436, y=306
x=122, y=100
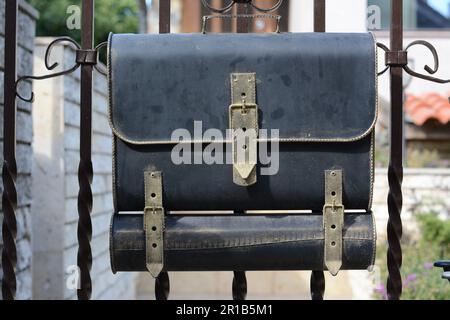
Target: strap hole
x=333, y=193
x=333, y=244
x=333, y=226
x=243, y=95
x=244, y=147
x=153, y=195
x=154, y=228
x=244, y=129
x=154, y=245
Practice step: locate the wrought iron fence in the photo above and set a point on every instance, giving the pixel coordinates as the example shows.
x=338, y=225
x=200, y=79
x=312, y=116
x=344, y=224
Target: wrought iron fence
x=87, y=59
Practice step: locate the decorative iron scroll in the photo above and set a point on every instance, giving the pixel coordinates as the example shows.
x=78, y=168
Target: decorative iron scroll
x=397, y=61
x=401, y=58
x=83, y=57
x=232, y=3
x=241, y=16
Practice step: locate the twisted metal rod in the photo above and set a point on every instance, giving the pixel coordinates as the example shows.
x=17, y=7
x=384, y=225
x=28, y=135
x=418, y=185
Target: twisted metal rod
x=239, y=285
x=317, y=285
x=394, y=233
x=395, y=172
x=162, y=286
x=84, y=231
x=9, y=229
x=317, y=280
x=85, y=171
x=9, y=170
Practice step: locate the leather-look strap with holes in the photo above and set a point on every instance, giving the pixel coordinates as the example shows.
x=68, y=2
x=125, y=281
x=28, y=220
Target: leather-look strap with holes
x=333, y=220
x=154, y=222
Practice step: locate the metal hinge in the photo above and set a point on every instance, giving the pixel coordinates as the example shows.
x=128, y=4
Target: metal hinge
x=244, y=125
x=154, y=222
x=333, y=220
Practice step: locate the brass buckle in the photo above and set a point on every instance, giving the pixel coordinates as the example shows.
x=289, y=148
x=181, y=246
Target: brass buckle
x=243, y=115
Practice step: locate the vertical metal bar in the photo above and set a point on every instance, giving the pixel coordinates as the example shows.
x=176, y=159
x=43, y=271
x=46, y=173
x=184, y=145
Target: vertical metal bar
x=162, y=283
x=85, y=171
x=239, y=285
x=164, y=16
x=9, y=172
x=395, y=173
x=191, y=16
x=317, y=283
x=269, y=24
x=319, y=16
x=242, y=24
x=217, y=24
x=162, y=287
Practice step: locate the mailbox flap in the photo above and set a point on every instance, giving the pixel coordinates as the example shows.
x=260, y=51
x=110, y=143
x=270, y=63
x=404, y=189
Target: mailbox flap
x=312, y=87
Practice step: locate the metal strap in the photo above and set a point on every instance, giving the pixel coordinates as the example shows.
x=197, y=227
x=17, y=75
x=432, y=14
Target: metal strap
x=333, y=220
x=244, y=125
x=87, y=56
x=154, y=223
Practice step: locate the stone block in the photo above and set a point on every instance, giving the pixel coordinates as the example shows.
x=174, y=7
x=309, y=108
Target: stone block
x=101, y=125
x=101, y=144
x=72, y=138
x=71, y=185
x=71, y=114
x=102, y=163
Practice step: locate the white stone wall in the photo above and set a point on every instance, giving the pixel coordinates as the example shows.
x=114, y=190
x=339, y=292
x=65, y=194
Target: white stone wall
x=56, y=151
x=424, y=190
x=26, y=31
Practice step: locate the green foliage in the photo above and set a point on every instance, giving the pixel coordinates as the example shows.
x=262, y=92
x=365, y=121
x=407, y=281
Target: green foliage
x=422, y=158
x=436, y=231
x=118, y=16
x=381, y=157
x=421, y=281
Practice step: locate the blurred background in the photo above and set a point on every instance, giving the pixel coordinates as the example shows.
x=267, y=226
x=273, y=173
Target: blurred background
x=48, y=147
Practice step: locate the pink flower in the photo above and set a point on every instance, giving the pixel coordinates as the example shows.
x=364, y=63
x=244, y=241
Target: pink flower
x=381, y=290
x=410, y=278
x=428, y=265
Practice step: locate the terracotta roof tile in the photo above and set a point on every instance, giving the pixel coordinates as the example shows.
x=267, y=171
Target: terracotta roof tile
x=430, y=106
